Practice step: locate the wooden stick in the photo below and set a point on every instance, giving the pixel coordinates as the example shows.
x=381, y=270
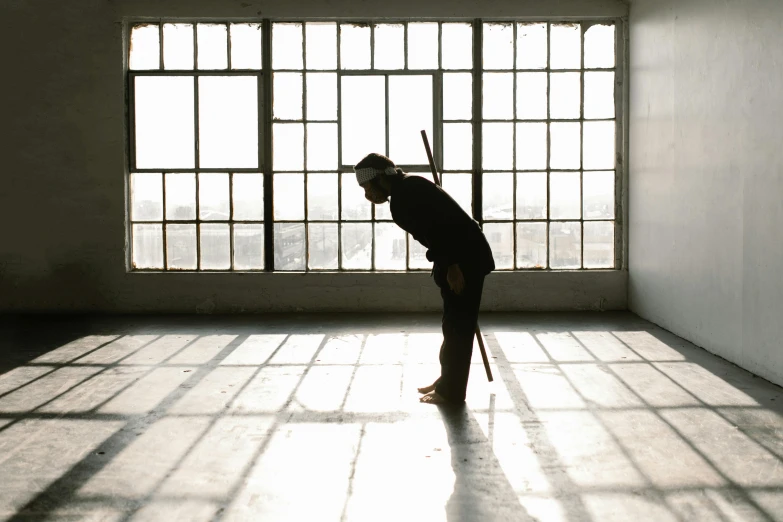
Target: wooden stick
x=429, y=157
x=435, y=176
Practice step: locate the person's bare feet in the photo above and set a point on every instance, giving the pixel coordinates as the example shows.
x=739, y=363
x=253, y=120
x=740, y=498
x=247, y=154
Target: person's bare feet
x=428, y=389
x=432, y=398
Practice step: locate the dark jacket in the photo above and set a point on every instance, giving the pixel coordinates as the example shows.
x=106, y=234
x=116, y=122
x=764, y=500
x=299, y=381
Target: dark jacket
x=435, y=220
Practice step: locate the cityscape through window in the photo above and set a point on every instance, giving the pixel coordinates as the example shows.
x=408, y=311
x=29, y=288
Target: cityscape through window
x=243, y=137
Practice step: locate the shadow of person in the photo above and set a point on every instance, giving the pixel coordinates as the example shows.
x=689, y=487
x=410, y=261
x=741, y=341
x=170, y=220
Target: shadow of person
x=482, y=491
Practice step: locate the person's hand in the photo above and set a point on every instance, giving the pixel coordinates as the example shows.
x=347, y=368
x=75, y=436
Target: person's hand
x=455, y=279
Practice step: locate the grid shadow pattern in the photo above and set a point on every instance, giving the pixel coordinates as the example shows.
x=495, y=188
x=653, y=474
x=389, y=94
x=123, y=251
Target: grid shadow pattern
x=609, y=419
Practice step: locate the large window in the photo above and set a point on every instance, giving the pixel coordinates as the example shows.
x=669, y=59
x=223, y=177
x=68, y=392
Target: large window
x=243, y=137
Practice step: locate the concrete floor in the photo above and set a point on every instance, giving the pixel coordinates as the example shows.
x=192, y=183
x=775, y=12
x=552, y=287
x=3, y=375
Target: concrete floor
x=599, y=417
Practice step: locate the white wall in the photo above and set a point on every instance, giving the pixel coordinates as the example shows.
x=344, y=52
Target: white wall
x=706, y=175
x=62, y=202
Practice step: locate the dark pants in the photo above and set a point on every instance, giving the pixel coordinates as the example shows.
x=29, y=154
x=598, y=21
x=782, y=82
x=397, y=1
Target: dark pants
x=460, y=315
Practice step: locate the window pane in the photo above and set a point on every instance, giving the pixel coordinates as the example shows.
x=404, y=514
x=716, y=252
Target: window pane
x=531, y=96
x=323, y=245
x=286, y=46
x=322, y=96
x=531, y=46
x=498, y=150
x=180, y=196
x=321, y=45
x=246, y=46
x=144, y=47
x=146, y=197
x=501, y=240
x=417, y=256
x=288, y=146
x=248, y=197
x=599, y=145
x=390, y=253
x=288, y=197
x=423, y=45
x=565, y=98
x=531, y=146
x=389, y=46
x=289, y=246
x=498, y=193
x=322, y=198
x=354, y=46
x=215, y=246
x=531, y=245
x=354, y=206
x=599, y=95
x=598, y=196
x=460, y=187
x=288, y=96
x=228, y=121
x=248, y=247
x=363, y=117
x=599, y=244
x=498, y=46
x=356, y=245
x=564, y=141
x=213, y=197
x=566, y=42
x=181, y=247
x=457, y=46
x=565, y=245
x=457, y=96
x=164, y=122
x=147, y=246
x=457, y=146
x=410, y=111
x=178, y=46
x=564, y=195
x=498, y=96
x=599, y=46
x=212, y=46
x=531, y=195
x=321, y=146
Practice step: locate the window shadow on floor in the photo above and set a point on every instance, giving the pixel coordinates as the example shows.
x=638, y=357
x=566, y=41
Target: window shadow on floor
x=591, y=417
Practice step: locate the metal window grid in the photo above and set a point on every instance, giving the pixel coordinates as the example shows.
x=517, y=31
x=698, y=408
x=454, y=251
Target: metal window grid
x=265, y=122
x=547, y=71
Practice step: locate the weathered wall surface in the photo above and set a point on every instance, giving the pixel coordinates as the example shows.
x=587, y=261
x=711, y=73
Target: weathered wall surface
x=62, y=203
x=706, y=175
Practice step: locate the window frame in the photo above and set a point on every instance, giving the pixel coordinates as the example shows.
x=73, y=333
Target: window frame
x=265, y=122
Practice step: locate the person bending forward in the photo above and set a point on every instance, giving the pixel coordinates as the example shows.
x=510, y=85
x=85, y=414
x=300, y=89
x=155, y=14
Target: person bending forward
x=461, y=259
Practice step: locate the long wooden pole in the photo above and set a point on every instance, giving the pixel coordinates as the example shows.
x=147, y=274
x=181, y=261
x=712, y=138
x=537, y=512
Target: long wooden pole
x=435, y=176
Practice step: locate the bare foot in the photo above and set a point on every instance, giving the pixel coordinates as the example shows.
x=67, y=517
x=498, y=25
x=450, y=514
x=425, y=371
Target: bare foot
x=427, y=389
x=432, y=398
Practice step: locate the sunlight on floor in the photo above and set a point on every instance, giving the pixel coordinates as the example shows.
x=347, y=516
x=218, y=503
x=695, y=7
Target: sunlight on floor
x=580, y=424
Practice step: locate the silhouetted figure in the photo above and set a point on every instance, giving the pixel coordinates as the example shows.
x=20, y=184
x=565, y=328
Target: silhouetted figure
x=460, y=254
